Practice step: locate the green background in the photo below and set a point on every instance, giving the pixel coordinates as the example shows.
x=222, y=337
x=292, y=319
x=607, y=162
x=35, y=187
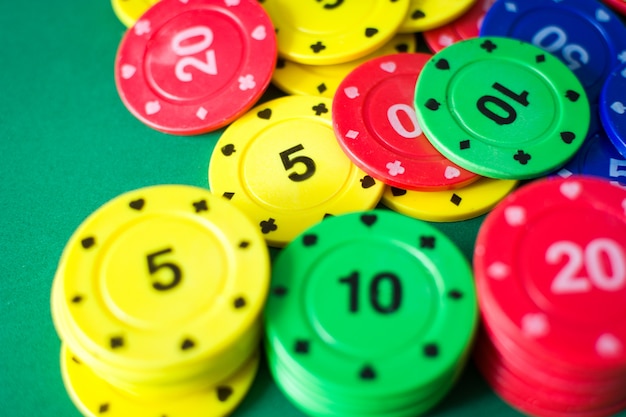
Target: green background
x=68, y=145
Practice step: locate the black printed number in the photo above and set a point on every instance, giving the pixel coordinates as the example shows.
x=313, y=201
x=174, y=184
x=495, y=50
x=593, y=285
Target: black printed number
x=154, y=265
x=383, y=306
x=290, y=162
x=510, y=115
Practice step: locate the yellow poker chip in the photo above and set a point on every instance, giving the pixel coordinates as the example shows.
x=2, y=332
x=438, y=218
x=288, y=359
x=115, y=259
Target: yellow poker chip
x=326, y=32
x=161, y=279
x=323, y=80
x=430, y=14
x=173, y=380
x=458, y=204
x=95, y=397
x=282, y=165
x=128, y=11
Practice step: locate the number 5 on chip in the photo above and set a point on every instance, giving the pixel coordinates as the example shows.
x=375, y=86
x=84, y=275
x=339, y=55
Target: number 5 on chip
x=281, y=164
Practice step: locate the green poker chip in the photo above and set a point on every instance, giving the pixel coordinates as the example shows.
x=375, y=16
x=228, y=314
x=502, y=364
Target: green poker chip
x=502, y=108
x=357, y=302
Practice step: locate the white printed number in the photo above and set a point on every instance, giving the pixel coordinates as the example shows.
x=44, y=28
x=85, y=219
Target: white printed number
x=568, y=280
x=394, y=120
x=570, y=51
x=183, y=48
x=617, y=168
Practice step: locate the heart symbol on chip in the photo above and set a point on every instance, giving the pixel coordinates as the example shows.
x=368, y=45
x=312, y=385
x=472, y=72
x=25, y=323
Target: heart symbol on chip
x=351, y=92
x=602, y=16
x=388, y=66
x=128, y=71
x=451, y=172
x=259, y=33
x=152, y=107
x=535, y=325
x=618, y=107
x=608, y=346
x=498, y=270
x=515, y=215
x=571, y=190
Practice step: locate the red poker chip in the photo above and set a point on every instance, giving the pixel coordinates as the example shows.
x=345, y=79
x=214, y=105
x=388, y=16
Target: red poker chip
x=465, y=27
x=550, y=261
x=192, y=66
x=537, y=383
x=533, y=399
x=375, y=123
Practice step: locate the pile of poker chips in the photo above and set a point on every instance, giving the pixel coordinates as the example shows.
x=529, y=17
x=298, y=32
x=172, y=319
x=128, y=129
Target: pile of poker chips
x=229, y=86
x=550, y=269
x=157, y=299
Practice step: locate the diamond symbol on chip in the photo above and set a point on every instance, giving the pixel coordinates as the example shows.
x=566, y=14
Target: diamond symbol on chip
x=511, y=7
x=351, y=92
x=352, y=134
x=128, y=71
x=451, y=172
x=395, y=168
x=515, y=215
x=608, y=346
x=246, y=82
x=498, y=270
x=142, y=27
x=535, y=325
x=201, y=113
x=571, y=190
x=618, y=107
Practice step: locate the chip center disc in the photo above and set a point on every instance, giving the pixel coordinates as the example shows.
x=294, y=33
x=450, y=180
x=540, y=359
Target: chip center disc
x=182, y=65
x=287, y=144
x=374, y=307
x=399, y=131
x=588, y=65
x=580, y=268
x=496, y=113
x=161, y=272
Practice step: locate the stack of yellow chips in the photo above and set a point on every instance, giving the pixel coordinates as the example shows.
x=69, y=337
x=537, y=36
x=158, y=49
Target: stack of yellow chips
x=157, y=299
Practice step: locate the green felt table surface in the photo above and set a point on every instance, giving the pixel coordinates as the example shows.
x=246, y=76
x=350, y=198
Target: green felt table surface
x=68, y=145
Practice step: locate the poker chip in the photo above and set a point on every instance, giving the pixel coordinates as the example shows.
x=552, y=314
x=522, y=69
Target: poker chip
x=375, y=123
x=158, y=294
x=613, y=108
x=281, y=165
x=587, y=36
x=501, y=108
x=323, y=80
x=329, y=32
x=618, y=5
x=94, y=396
x=550, y=247
x=597, y=157
x=467, y=26
x=356, y=303
x=464, y=203
x=192, y=67
x=128, y=11
x=425, y=15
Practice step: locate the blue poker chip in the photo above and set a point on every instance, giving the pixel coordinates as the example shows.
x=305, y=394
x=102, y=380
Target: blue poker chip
x=586, y=35
x=613, y=108
x=597, y=157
